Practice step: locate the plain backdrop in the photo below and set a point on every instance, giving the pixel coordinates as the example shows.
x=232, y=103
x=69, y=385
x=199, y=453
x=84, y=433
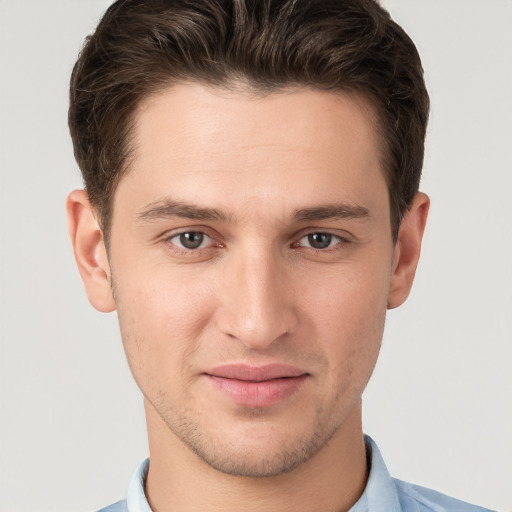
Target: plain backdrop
x=439, y=404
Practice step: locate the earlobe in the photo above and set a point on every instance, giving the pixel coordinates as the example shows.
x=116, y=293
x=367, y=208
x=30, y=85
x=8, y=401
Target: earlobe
x=407, y=250
x=90, y=253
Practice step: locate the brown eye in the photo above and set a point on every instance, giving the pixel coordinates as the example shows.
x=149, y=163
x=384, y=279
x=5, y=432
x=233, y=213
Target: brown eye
x=190, y=239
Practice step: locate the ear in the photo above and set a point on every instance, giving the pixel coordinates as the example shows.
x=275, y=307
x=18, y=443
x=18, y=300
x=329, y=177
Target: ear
x=90, y=253
x=407, y=250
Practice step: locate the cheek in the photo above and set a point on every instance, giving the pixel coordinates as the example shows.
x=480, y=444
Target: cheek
x=350, y=297
x=163, y=301
x=348, y=314
x=160, y=317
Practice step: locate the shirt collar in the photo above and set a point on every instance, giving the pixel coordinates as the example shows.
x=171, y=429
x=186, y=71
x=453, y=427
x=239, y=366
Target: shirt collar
x=136, y=498
x=380, y=492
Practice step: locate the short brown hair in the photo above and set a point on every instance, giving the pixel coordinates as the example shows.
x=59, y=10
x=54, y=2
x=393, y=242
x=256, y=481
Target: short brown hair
x=141, y=46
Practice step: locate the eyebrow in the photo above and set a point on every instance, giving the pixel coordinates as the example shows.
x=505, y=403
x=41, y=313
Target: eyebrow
x=166, y=209
x=333, y=211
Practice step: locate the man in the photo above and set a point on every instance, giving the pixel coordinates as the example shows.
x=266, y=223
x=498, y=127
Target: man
x=251, y=211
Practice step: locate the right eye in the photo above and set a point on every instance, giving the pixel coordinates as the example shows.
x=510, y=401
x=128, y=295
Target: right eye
x=190, y=240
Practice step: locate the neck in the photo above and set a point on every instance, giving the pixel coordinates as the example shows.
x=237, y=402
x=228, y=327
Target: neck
x=333, y=479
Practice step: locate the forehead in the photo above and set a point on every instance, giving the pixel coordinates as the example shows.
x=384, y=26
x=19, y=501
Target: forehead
x=312, y=117
x=206, y=143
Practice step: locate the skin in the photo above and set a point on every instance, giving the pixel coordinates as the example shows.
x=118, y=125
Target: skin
x=255, y=292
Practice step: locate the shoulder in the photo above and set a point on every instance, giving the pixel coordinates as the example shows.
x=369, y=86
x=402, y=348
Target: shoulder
x=120, y=506
x=414, y=498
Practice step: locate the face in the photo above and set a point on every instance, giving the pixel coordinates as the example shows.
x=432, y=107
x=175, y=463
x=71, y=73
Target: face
x=252, y=260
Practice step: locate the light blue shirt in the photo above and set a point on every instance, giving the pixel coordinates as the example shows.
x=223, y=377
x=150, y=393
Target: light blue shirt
x=382, y=493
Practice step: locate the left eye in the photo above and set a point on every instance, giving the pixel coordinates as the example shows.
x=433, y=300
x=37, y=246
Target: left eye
x=320, y=240
x=191, y=240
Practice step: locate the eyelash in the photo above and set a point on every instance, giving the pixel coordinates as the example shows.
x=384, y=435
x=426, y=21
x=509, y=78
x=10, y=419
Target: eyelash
x=341, y=242
x=190, y=252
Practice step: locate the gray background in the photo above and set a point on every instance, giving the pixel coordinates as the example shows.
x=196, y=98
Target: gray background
x=439, y=404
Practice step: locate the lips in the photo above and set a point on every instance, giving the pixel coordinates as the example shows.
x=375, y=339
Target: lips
x=256, y=386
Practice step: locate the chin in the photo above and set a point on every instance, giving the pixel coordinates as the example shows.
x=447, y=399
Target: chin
x=262, y=464
x=257, y=452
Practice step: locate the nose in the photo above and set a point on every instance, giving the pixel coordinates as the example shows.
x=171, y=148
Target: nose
x=257, y=301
